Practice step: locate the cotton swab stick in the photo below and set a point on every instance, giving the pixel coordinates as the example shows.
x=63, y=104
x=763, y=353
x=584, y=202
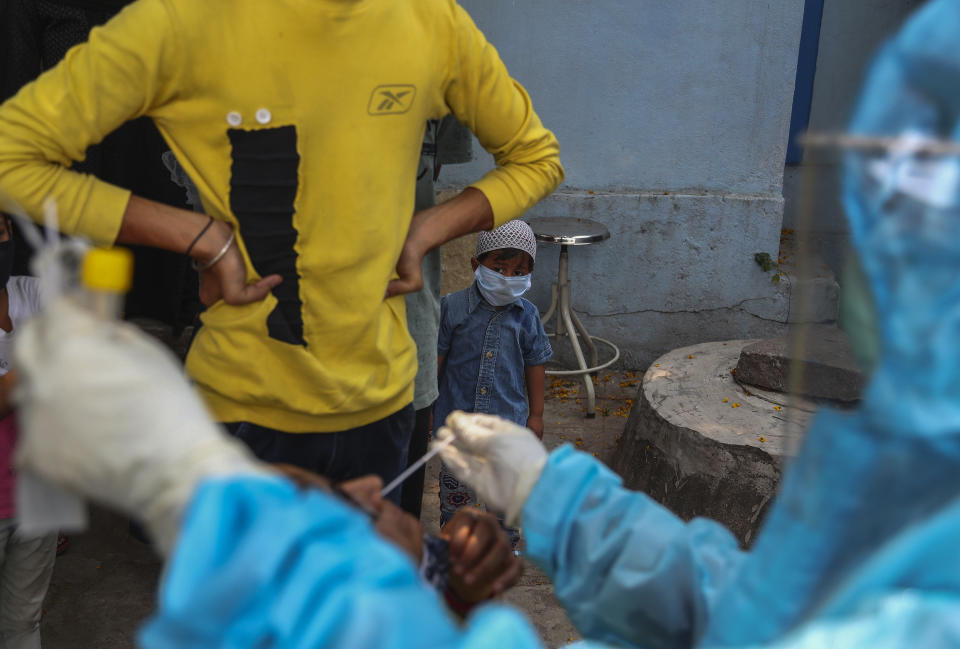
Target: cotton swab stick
x=396, y=482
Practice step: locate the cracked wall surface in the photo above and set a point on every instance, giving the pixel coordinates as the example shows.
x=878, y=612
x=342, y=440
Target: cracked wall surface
x=678, y=269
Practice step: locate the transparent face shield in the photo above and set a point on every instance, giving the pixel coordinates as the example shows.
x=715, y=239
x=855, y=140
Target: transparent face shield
x=873, y=251
x=866, y=430
x=872, y=448
x=831, y=345
x=867, y=505
x=902, y=189
x=824, y=356
x=895, y=271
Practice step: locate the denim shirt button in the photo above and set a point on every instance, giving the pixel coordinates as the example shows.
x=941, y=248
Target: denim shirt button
x=489, y=354
x=483, y=390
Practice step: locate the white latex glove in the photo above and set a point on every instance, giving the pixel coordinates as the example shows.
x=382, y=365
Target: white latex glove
x=106, y=411
x=499, y=459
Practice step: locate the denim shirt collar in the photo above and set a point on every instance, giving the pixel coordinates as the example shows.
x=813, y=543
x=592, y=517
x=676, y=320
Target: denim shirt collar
x=475, y=299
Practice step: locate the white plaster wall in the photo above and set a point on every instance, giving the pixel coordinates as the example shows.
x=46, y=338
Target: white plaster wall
x=675, y=115
x=644, y=94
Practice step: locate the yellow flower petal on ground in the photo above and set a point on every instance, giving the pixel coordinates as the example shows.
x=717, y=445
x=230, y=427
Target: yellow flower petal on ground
x=777, y=408
x=734, y=405
x=762, y=439
x=725, y=399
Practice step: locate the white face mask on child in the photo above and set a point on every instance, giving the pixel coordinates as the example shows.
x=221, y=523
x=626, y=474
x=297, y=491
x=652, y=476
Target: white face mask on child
x=498, y=289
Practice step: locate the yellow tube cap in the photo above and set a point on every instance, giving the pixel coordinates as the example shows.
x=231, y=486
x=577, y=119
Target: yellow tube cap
x=108, y=269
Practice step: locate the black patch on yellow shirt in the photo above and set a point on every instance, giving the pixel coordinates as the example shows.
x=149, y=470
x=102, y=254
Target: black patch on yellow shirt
x=263, y=187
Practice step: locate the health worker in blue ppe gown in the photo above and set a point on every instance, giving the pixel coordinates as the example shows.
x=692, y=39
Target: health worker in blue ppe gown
x=860, y=548
x=858, y=551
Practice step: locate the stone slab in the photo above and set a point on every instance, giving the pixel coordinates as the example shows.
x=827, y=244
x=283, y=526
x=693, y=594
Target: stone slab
x=702, y=445
x=826, y=370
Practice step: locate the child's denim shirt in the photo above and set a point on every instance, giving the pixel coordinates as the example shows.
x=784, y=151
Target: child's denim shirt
x=487, y=351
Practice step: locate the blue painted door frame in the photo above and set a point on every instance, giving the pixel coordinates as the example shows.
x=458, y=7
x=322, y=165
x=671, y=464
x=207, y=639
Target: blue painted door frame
x=806, y=71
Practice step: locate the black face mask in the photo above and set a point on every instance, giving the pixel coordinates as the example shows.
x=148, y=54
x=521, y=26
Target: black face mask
x=6, y=261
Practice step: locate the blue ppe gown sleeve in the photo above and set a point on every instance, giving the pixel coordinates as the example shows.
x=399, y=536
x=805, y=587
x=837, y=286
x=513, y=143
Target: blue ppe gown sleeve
x=260, y=564
x=627, y=570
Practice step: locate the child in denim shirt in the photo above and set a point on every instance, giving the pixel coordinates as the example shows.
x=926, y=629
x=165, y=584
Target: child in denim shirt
x=492, y=347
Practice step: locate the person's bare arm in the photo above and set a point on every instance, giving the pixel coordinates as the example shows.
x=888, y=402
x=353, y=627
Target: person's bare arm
x=536, y=378
x=498, y=110
x=480, y=92
x=469, y=211
x=154, y=224
x=127, y=68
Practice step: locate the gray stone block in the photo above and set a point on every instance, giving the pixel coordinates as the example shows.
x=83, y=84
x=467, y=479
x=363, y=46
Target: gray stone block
x=700, y=445
x=826, y=370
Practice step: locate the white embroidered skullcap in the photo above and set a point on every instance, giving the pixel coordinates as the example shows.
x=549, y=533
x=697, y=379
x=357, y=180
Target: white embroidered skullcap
x=512, y=234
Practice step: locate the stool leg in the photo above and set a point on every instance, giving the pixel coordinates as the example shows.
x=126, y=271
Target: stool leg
x=553, y=307
x=562, y=283
x=565, y=315
x=594, y=358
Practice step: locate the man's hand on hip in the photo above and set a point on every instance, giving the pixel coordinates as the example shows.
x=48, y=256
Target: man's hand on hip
x=469, y=211
x=227, y=278
x=148, y=223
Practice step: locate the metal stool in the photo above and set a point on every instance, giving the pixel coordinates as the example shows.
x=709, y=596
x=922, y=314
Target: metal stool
x=570, y=231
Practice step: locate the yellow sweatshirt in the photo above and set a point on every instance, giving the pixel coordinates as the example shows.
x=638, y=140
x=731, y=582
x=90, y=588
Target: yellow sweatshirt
x=300, y=121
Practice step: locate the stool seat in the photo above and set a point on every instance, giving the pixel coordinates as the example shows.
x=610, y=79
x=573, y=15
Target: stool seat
x=568, y=230
x=572, y=231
